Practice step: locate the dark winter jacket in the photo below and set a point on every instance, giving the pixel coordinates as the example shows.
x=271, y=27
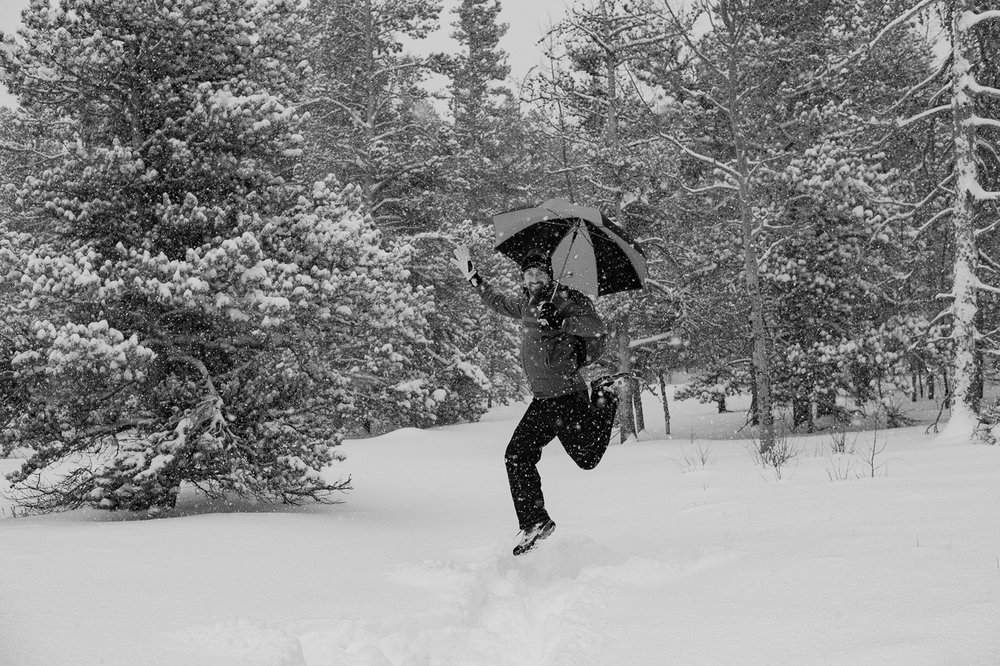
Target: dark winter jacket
x=552, y=358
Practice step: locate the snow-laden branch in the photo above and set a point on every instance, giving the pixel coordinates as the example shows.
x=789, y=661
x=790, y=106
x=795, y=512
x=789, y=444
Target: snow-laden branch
x=616, y=49
x=945, y=65
x=982, y=286
x=971, y=19
x=923, y=114
x=899, y=20
x=716, y=103
x=989, y=261
x=916, y=207
x=685, y=33
x=980, y=89
x=987, y=230
x=659, y=337
x=930, y=223
x=710, y=188
x=704, y=158
x=979, y=121
x=977, y=192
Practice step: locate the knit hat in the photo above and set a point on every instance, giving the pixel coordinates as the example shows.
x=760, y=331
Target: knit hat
x=536, y=259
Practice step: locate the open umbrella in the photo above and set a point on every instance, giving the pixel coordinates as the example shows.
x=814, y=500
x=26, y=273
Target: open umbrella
x=587, y=250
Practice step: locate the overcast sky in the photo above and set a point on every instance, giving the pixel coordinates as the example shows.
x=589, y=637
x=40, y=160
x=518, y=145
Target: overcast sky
x=528, y=20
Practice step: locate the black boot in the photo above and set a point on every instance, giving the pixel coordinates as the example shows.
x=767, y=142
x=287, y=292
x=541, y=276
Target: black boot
x=605, y=389
x=532, y=535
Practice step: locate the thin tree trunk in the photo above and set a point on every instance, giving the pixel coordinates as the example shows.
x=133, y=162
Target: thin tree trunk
x=666, y=404
x=626, y=411
x=610, y=64
x=640, y=417
x=758, y=329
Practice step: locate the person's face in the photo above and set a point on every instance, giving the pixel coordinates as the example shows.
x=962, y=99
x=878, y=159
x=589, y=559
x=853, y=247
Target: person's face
x=535, y=279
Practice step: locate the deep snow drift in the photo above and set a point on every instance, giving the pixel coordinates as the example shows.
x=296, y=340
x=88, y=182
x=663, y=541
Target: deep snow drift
x=673, y=551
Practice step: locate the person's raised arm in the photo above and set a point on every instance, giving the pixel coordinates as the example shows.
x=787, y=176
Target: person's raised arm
x=505, y=305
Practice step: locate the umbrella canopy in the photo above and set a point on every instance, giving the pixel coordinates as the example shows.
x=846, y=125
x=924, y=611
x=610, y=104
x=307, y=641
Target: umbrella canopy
x=588, y=251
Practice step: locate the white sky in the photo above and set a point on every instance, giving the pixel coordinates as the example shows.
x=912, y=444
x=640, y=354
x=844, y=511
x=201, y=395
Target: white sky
x=528, y=20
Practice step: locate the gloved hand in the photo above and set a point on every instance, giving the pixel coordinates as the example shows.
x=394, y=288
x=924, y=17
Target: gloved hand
x=548, y=316
x=463, y=262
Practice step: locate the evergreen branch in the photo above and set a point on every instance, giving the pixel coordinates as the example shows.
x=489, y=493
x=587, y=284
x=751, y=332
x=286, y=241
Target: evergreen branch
x=659, y=337
x=945, y=66
x=982, y=286
x=927, y=225
x=975, y=87
x=923, y=114
x=710, y=188
x=990, y=263
x=986, y=230
x=926, y=200
x=115, y=428
x=979, y=121
x=979, y=194
x=889, y=27
x=971, y=19
x=988, y=147
x=601, y=186
x=716, y=103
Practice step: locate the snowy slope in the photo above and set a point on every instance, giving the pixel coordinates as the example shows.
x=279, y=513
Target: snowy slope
x=656, y=560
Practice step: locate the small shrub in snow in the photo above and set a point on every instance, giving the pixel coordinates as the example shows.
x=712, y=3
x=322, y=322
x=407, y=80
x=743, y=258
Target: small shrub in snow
x=841, y=442
x=840, y=468
x=698, y=456
x=778, y=457
x=875, y=465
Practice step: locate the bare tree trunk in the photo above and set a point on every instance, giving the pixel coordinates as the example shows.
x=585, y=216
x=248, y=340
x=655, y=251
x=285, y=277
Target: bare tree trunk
x=640, y=417
x=666, y=404
x=626, y=404
x=610, y=65
x=758, y=330
x=733, y=92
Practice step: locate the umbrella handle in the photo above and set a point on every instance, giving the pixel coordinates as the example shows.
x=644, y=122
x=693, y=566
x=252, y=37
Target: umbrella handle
x=576, y=231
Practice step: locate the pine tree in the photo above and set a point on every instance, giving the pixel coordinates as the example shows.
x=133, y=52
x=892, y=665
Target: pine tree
x=966, y=196
x=197, y=316
x=969, y=198
x=370, y=120
x=819, y=173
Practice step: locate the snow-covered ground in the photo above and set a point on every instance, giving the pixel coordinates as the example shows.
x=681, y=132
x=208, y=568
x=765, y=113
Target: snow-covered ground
x=657, y=559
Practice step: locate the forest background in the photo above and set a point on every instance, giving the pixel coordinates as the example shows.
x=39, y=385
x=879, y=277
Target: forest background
x=225, y=223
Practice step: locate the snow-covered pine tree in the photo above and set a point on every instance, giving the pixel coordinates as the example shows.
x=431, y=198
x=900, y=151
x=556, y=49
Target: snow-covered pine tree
x=838, y=263
x=196, y=319
x=734, y=73
x=973, y=197
x=371, y=123
x=480, y=363
x=823, y=173
x=490, y=167
x=484, y=172
x=972, y=133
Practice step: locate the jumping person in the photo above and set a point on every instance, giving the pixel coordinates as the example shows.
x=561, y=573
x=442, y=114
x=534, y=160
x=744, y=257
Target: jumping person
x=560, y=334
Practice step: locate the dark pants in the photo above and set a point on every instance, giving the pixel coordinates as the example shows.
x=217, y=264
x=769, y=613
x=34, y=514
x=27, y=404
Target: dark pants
x=584, y=431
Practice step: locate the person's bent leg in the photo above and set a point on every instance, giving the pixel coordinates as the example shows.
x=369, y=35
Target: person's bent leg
x=535, y=430
x=586, y=429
